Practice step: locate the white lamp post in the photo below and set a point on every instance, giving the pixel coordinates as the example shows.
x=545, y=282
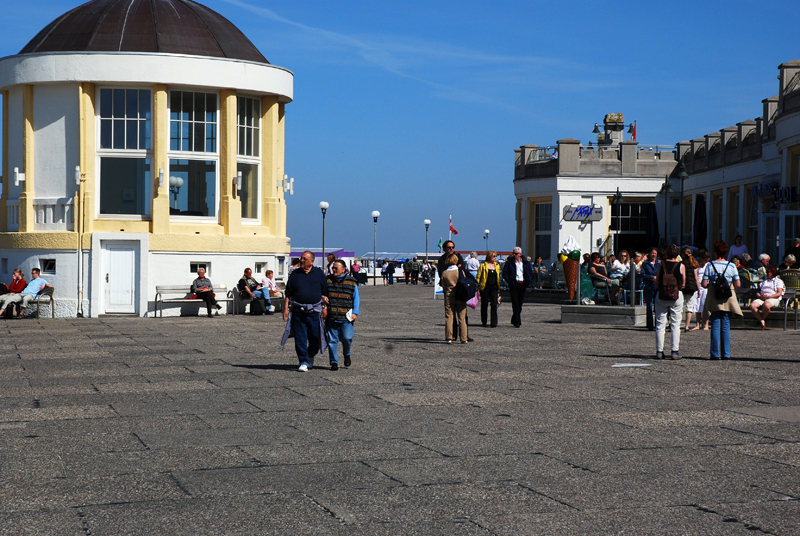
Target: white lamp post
x=175, y=184
x=375, y=215
x=323, y=205
x=427, y=224
x=486, y=237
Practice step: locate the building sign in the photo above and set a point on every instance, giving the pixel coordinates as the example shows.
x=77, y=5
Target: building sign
x=786, y=195
x=583, y=213
x=763, y=189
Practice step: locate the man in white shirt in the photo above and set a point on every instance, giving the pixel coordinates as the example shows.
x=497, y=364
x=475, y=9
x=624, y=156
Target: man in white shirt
x=27, y=295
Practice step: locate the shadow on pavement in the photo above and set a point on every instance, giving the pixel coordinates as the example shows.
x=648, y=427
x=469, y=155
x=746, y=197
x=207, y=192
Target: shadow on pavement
x=267, y=367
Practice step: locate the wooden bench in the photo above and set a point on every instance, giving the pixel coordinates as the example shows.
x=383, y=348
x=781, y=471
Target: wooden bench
x=185, y=291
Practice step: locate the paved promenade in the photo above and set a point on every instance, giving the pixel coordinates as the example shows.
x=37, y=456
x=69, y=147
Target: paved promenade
x=198, y=426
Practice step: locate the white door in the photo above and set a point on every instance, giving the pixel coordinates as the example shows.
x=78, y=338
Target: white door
x=119, y=277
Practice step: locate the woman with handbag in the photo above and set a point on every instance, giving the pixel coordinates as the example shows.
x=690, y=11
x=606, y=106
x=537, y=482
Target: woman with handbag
x=452, y=305
x=718, y=306
x=489, y=286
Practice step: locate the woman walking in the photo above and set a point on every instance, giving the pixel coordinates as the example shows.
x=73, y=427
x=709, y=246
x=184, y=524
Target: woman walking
x=721, y=309
x=670, y=279
x=489, y=286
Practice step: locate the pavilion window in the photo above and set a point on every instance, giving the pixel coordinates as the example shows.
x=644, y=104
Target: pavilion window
x=249, y=142
x=125, y=150
x=194, y=156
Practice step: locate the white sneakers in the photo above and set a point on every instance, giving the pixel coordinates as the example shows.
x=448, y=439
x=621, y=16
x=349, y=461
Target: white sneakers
x=303, y=368
x=271, y=309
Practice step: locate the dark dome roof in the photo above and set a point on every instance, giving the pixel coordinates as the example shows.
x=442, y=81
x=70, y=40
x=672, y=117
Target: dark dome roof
x=167, y=26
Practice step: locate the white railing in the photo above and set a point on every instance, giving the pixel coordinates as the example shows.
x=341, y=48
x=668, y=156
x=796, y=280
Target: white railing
x=54, y=214
x=12, y=206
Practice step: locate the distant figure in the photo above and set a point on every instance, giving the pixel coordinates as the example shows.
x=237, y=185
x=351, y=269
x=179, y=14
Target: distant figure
x=269, y=283
x=737, y=248
x=789, y=262
x=489, y=286
x=330, y=258
x=721, y=310
x=453, y=307
x=415, y=267
x=518, y=274
x=649, y=269
x=473, y=264
x=295, y=265
x=670, y=278
x=794, y=250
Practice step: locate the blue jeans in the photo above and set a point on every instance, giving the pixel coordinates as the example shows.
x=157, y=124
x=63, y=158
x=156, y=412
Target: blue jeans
x=305, y=328
x=263, y=294
x=720, y=325
x=339, y=331
x=649, y=302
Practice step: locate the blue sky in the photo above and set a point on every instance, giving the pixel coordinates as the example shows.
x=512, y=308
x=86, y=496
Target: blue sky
x=414, y=108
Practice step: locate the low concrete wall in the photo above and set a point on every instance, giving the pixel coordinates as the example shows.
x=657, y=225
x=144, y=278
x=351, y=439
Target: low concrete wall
x=603, y=314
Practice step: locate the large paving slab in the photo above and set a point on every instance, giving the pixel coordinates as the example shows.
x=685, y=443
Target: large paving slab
x=188, y=426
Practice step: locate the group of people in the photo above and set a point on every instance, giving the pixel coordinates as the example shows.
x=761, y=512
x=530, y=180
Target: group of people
x=517, y=271
x=248, y=287
x=19, y=294
x=414, y=271
x=678, y=281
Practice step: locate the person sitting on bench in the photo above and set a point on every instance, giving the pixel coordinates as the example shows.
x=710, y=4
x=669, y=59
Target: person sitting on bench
x=204, y=290
x=27, y=295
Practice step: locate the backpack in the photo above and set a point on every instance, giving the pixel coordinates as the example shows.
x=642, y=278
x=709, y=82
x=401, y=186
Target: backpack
x=668, y=289
x=722, y=289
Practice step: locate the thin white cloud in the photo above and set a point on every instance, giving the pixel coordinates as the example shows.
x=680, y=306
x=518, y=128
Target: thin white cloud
x=402, y=57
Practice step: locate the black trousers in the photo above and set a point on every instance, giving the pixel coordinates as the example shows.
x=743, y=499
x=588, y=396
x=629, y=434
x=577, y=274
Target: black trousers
x=489, y=301
x=517, y=290
x=414, y=277
x=207, y=297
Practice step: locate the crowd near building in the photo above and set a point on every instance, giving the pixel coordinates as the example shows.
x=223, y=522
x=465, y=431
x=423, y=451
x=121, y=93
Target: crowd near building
x=142, y=140
x=613, y=194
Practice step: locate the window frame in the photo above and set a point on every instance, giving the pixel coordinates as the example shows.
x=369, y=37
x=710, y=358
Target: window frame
x=101, y=153
x=537, y=232
x=194, y=155
x=251, y=159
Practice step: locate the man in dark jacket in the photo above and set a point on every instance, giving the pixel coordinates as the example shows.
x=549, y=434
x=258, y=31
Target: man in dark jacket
x=518, y=273
x=448, y=247
x=649, y=271
x=306, y=291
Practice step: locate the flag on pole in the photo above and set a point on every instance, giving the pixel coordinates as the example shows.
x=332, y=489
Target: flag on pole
x=634, y=131
x=452, y=229
x=440, y=245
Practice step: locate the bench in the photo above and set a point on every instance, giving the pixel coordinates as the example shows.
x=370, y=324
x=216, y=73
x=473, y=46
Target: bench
x=240, y=302
x=182, y=291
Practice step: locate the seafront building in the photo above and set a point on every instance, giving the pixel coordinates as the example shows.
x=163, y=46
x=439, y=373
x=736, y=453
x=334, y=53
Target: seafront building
x=141, y=140
x=613, y=194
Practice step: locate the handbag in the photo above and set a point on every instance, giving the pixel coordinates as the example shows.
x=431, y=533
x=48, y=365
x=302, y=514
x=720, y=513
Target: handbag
x=473, y=302
x=467, y=287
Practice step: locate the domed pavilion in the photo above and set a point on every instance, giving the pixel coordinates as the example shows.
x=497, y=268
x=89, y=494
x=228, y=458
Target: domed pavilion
x=142, y=139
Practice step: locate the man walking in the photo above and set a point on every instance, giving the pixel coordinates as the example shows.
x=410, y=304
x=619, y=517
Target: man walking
x=449, y=248
x=518, y=273
x=305, y=291
x=415, y=268
x=343, y=303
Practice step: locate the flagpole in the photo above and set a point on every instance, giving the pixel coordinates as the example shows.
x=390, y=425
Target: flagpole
x=450, y=231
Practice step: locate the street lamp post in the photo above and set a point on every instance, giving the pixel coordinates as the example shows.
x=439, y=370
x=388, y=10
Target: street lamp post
x=375, y=215
x=682, y=175
x=323, y=205
x=427, y=224
x=666, y=188
x=486, y=237
x=616, y=201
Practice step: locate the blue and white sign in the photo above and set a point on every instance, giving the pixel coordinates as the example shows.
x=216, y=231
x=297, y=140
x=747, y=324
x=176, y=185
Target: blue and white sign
x=583, y=213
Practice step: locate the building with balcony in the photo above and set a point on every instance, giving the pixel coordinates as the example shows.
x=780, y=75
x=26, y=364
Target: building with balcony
x=142, y=139
x=566, y=190
x=742, y=179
